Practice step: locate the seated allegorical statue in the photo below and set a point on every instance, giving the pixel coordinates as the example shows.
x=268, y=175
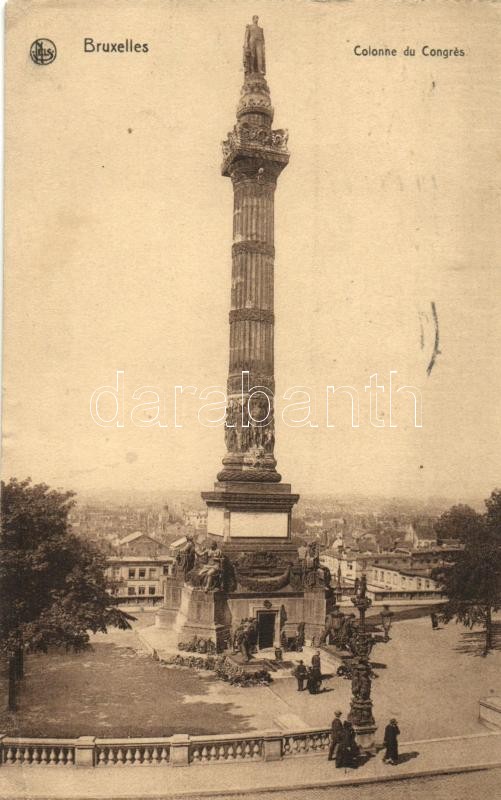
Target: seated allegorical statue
x=211, y=572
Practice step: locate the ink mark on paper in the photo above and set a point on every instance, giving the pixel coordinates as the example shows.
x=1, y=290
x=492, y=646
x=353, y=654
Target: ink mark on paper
x=43, y=52
x=436, y=350
x=424, y=320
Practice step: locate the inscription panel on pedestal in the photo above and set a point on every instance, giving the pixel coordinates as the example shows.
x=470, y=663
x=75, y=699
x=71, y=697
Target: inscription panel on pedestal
x=215, y=521
x=259, y=525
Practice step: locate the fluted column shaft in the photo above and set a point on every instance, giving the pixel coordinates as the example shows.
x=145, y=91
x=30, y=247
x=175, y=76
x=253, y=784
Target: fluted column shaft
x=251, y=315
x=254, y=156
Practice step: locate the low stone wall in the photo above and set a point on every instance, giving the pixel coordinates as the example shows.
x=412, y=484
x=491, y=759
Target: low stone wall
x=175, y=751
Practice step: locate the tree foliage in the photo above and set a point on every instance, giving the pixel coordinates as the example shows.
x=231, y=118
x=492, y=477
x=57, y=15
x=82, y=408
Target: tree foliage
x=459, y=522
x=52, y=583
x=472, y=582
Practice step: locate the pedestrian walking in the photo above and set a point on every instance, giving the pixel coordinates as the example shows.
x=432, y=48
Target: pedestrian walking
x=386, y=620
x=336, y=735
x=434, y=621
x=301, y=675
x=391, y=733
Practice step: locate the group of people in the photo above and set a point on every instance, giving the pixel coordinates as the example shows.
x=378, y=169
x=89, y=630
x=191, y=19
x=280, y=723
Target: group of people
x=311, y=676
x=344, y=750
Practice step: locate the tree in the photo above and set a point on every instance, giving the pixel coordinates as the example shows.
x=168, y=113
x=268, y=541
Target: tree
x=52, y=583
x=459, y=522
x=472, y=581
x=493, y=515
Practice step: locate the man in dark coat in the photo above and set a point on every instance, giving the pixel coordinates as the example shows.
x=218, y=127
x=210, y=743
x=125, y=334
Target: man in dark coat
x=336, y=735
x=301, y=674
x=391, y=733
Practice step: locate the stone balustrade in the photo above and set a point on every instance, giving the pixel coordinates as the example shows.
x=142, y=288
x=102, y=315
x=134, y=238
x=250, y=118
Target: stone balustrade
x=308, y=743
x=40, y=752
x=127, y=752
x=175, y=751
x=224, y=748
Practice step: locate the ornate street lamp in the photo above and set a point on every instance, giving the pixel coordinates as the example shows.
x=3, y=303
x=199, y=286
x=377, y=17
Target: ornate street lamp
x=361, y=644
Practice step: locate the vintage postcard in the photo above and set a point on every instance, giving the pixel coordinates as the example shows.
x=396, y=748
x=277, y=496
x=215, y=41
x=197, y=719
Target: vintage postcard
x=251, y=488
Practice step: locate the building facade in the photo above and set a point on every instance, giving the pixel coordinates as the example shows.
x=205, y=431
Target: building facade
x=139, y=579
x=137, y=569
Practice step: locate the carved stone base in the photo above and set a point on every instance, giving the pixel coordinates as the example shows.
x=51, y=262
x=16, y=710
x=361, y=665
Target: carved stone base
x=173, y=589
x=205, y=615
x=217, y=615
x=366, y=738
x=314, y=615
x=165, y=618
x=361, y=713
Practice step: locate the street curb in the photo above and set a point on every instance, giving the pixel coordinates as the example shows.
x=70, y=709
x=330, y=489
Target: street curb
x=352, y=780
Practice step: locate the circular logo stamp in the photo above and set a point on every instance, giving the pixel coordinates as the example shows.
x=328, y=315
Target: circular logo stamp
x=43, y=51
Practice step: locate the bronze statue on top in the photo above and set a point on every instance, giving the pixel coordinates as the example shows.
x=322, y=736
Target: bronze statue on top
x=254, y=58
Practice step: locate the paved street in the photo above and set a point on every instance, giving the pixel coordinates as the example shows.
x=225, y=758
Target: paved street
x=449, y=787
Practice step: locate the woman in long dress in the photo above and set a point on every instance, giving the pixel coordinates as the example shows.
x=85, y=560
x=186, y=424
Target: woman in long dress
x=312, y=682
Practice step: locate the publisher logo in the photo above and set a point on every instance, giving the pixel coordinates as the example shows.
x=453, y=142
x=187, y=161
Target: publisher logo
x=43, y=51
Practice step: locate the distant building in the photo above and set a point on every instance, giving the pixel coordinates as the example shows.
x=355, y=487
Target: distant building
x=139, y=544
x=137, y=568
x=401, y=574
x=387, y=584
x=196, y=519
x=139, y=579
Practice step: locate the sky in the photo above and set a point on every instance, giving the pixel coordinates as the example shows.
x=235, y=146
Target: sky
x=118, y=241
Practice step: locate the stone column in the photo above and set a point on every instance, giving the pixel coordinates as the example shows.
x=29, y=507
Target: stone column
x=254, y=156
x=250, y=508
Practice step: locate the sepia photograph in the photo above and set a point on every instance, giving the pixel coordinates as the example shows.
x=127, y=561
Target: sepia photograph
x=251, y=426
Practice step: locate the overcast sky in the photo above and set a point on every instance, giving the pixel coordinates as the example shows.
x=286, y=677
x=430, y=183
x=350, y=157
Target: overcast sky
x=118, y=241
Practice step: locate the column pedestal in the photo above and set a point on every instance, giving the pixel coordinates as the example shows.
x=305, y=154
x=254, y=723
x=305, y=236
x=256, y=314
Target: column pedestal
x=203, y=614
x=366, y=739
x=242, y=511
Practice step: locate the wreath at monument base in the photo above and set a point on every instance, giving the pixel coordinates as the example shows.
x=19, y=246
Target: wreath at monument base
x=224, y=669
x=266, y=584
x=252, y=474
x=227, y=670
x=198, y=645
x=191, y=662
